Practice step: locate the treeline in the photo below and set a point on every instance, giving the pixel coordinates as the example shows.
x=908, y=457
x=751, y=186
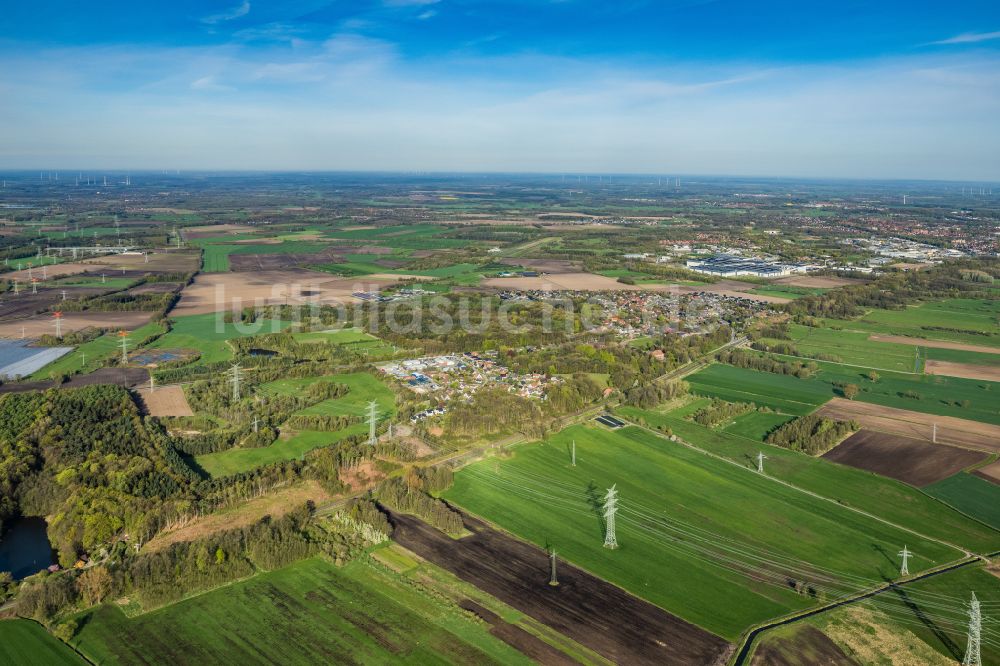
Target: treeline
x=721, y=411
x=653, y=393
x=745, y=359
x=397, y=495
x=811, y=434
x=895, y=290
x=183, y=568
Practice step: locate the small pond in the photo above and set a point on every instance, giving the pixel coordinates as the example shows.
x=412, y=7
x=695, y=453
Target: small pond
x=24, y=547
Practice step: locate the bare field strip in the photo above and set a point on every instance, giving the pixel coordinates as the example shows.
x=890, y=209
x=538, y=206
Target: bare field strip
x=218, y=292
x=568, y=282
x=937, y=344
x=274, y=504
x=950, y=430
x=990, y=472
x=591, y=611
x=74, y=321
x=165, y=401
x=817, y=281
x=159, y=262
x=577, y=281
x=209, y=230
x=917, y=462
x=550, y=266
x=51, y=270
x=967, y=370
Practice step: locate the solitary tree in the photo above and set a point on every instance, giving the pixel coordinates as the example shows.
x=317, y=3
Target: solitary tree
x=851, y=391
x=873, y=376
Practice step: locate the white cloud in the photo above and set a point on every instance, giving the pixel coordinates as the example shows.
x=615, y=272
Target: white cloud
x=970, y=38
x=353, y=102
x=228, y=15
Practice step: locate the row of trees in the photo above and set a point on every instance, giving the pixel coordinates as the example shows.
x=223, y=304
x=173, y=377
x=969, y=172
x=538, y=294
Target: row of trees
x=742, y=358
x=812, y=434
x=721, y=411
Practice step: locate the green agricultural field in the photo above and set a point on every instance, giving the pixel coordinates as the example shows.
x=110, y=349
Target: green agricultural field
x=887, y=498
x=26, y=643
x=218, y=250
x=208, y=334
x=323, y=614
x=970, y=494
x=706, y=539
x=94, y=281
x=960, y=356
x=363, y=389
x=787, y=291
x=972, y=399
x=853, y=348
x=91, y=355
x=756, y=425
x=977, y=321
x=782, y=393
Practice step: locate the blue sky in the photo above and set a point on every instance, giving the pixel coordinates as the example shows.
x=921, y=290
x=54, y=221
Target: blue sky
x=858, y=89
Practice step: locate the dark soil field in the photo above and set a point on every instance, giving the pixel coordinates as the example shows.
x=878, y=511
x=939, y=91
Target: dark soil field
x=909, y=460
x=127, y=377
x=593, y=612
x=26, y=304
x=513, y=635
x=156, y=288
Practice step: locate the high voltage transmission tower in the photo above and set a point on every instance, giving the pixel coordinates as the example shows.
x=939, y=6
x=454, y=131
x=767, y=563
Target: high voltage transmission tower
x=235, y=380
x=610, y=509
x=124, y=337
x=904, y=570
x=972, y=654
x=553, y=581
x=574, y=453
x=372, y=422
x=760, y=462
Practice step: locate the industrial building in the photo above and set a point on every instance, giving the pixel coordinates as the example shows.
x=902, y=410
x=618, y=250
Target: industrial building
x=727, y=265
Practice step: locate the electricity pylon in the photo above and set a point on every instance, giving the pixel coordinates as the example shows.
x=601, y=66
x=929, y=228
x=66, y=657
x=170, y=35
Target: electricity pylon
x=553, y=581
x=124, y=338
x=610, y=509
x=574, y=453
x=904, y=570
x=972, y=654
x=235, y=381
x=256, y=424
x=58, y=316
x=372, y=422
x=760, y=462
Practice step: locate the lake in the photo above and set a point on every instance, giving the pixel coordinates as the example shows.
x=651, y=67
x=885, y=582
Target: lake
x=24, y=547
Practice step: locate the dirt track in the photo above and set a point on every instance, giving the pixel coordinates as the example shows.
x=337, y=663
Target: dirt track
x=960, y=432
x=587, y=609
x=908, y=460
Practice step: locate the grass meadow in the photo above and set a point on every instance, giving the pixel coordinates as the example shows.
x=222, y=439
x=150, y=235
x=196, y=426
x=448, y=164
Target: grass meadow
x=970, y=494
x=290, y=445
x=27, y=643
x=713, y=543
x=355, y=614
x=975, y=321
x=208, y=334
